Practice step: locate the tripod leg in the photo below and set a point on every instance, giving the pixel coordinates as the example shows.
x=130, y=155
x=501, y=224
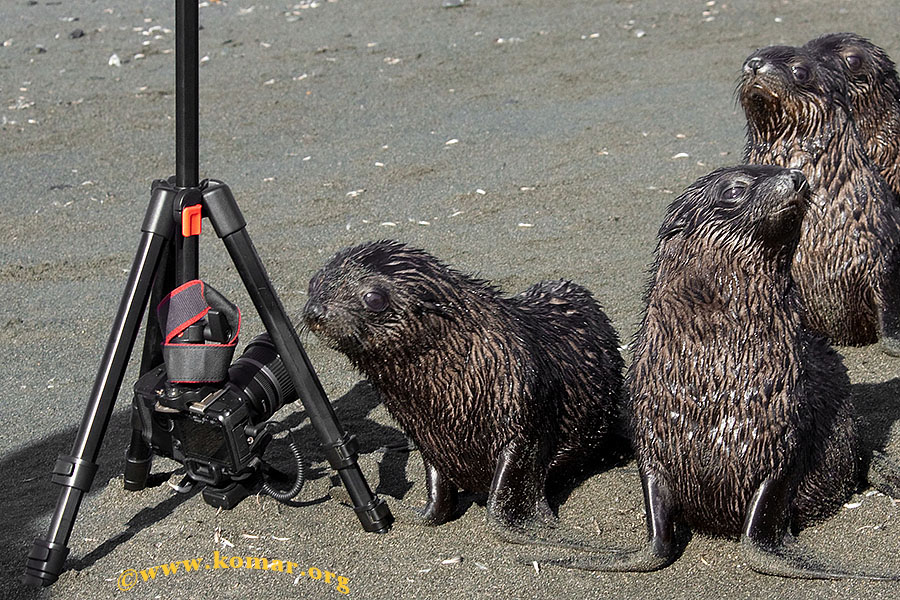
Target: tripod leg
x=138, y=458
x=340, y=447
x=75, y=472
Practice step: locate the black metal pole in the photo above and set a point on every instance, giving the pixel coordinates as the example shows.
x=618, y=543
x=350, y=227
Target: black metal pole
x=187, y=135
x=187, y=104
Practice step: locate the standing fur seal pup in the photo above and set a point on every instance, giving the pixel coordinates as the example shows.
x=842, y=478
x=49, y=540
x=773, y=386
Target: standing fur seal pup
x=496, y=392
x=740, y=414
x=873, y=90
x=847, y=265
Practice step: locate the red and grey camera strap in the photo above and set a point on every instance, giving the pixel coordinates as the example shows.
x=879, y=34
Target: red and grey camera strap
x=205, y=362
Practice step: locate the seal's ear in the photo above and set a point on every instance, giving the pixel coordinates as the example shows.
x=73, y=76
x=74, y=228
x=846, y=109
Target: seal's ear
x=685, y=213
x=432, y=305
x=672, y=227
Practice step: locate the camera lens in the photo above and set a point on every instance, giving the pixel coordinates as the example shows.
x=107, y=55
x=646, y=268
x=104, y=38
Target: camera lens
x=260, y=378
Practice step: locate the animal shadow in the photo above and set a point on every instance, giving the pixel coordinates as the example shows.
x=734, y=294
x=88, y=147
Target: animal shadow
x=353, y=411
x=877, y=408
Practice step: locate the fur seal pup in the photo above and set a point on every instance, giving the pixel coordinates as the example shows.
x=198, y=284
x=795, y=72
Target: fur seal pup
x=739, y=413
x=873, y=90
x=847, y=265
x=496, y=392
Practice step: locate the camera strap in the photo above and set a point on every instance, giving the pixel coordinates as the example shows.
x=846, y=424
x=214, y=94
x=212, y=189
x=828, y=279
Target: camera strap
x=193, y=362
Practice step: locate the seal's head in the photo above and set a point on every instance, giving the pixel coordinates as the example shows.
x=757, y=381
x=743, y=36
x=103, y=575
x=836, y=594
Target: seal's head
x=737, y=212
x=379, y=298
x=873, y=91
x=867, y=68
x=784, y=91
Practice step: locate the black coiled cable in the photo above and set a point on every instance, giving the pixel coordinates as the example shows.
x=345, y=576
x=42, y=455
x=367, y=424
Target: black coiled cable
x=286, y=495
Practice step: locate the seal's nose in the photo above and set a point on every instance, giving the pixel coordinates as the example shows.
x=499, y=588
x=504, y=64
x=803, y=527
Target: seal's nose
x=753, y=64
x=313, y=311
x=799, y=179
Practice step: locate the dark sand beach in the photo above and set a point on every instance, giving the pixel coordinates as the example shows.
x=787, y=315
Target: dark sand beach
x=519, y=140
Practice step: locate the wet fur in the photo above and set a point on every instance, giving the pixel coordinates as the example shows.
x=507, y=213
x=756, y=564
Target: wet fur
x=469, y=374
x=728, y=385
x=846, y=263
x=739, y=413
x=873, y=93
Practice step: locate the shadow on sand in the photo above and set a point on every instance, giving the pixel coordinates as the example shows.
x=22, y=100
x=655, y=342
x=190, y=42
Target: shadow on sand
x=29, y=497
x=878, y=410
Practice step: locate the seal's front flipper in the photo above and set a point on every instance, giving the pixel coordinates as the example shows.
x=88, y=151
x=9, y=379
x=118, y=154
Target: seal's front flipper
x=765, y=533
x=660, y=550
x=442, y=498
x=517, y=508
x=643, y=560
x=787, y=561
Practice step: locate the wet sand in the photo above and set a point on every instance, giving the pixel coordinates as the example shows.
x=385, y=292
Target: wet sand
x=519, y=140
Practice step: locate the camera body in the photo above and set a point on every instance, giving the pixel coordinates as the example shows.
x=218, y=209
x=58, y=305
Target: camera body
x=217, y=431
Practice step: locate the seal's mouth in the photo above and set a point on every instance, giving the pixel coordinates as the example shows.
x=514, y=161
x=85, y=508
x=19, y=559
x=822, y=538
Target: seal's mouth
x=756, y=89
x=790, y=195
x=796, y=204
x=314, y=315
x=761, y=99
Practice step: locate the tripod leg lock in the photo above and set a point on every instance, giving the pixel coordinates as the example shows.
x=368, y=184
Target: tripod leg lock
x=44, y=563
x=74, y=472
x=375, y=516
x=343, y=454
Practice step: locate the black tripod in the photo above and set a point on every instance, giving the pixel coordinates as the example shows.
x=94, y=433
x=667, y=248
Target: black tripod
x=166, y=258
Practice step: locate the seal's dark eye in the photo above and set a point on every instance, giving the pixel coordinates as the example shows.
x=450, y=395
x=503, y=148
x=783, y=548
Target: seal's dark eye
x=854, y=61
x=800, y=72
x=734, y=192
x=375, y=301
